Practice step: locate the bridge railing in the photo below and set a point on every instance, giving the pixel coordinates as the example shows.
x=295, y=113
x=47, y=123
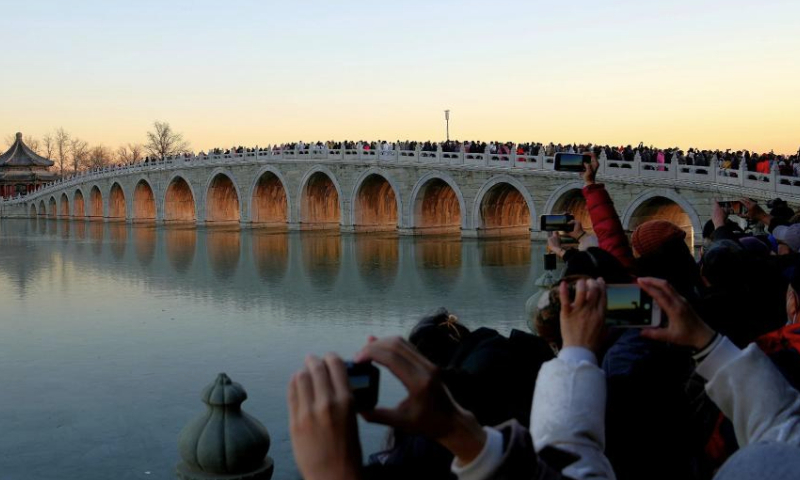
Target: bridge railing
x=671, y=171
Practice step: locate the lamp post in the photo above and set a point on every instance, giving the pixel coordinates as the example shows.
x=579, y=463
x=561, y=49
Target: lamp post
x=447, y=123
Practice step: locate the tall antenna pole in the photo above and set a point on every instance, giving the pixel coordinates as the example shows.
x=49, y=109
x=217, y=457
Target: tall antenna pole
x=447, y=123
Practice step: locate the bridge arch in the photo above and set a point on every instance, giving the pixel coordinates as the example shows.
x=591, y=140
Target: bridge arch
x=179, y=200
x=78, y=204
x=117, y=209
x=33, y=209
x=270, y=202
x=64, y=206
x=320, y=199
x=222, y=198
x=42, y=208
x=144, y=202
x=663, y=204
x=437, y=205
x=503, y=206
x=95, y=203
x=52, y=207
x=376, y=203
x=569, y=198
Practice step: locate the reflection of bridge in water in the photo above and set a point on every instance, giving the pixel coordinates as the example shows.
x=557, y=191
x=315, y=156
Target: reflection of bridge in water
x=240, y=265
x=415, y=193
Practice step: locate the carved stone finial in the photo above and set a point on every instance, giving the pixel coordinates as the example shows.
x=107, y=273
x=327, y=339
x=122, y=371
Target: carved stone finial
x=19, y=136
x=224, y=443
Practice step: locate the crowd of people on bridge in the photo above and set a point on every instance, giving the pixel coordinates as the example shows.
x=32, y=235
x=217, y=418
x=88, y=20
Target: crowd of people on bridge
x=765, y=162
x=710, y=393
x=730, y=162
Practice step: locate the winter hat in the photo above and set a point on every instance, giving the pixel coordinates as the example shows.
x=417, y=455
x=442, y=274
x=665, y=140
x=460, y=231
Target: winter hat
x=722, y=261
x=755, y=246
x=790, y=235
x=652, y=235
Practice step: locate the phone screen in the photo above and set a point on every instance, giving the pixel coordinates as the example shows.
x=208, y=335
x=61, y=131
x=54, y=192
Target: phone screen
x=571, y=162
x=556, y=223
x=628, y=306
x=733, y=208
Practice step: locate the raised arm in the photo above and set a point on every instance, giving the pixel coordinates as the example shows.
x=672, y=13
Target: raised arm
x=744, y=384
x=570, y=397
x=605, y=221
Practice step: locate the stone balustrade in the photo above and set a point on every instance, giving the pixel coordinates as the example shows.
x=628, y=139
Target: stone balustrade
x=672, y=173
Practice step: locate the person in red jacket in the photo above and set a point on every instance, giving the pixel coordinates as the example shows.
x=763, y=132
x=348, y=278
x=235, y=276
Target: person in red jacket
x=605, y=221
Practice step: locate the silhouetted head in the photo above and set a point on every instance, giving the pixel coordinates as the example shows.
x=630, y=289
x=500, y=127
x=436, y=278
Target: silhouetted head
x=438, y=335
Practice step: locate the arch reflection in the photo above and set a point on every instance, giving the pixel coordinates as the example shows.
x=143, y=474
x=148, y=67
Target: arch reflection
x=506, y=265
x=438, y=261
x=181, y=244
x=65, y=230
x=118, y=233
x=80, y=230
x=223, y=249
x=377, y=257
x=322, y=258
x=144, y=241
x=271, y=255
x=96, y=233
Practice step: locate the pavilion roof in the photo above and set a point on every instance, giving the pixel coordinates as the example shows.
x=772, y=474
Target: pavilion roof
x=20, y=155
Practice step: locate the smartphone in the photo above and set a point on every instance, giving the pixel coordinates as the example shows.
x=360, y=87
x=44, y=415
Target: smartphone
x=550, y=261
x=555, y=223
x=363, y=379
x=630, y=307
x=571, y=162
x=733, y=208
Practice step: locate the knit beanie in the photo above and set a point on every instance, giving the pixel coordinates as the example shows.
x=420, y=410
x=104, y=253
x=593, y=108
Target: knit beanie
x=652, y=235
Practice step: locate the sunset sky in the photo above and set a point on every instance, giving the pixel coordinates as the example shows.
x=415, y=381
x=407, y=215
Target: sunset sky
x=710, y=74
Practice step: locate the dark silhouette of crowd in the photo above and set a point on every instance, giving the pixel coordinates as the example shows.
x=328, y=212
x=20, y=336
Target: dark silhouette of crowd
x=710, y=391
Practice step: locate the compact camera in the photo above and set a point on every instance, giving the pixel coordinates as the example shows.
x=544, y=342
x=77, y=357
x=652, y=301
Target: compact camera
x=363, y=379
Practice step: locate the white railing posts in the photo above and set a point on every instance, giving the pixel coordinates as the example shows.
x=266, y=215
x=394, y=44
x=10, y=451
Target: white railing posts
x=710, y=175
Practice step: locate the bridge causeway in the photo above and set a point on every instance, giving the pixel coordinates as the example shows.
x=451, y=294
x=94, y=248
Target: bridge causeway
x=411, y=192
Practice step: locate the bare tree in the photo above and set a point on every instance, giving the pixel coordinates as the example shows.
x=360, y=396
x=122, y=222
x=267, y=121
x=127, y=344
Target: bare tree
x=31, y=142
x=100, y=156
x=163, y=142
x=48, y=145
x=80, y=151
x=132, y=153
x=62, y=147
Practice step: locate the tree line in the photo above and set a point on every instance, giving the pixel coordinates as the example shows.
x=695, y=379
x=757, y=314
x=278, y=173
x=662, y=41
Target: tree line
x=72, y=154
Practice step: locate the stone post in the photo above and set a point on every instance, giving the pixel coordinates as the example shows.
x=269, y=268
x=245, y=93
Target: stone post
x=773, y=176
x=742, y=171
x=224, y=443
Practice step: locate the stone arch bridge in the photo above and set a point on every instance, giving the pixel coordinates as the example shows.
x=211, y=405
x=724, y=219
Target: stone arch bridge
x=411, y=192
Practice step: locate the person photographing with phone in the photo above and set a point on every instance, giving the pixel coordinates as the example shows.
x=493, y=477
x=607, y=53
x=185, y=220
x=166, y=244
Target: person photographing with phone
x=566, y=439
